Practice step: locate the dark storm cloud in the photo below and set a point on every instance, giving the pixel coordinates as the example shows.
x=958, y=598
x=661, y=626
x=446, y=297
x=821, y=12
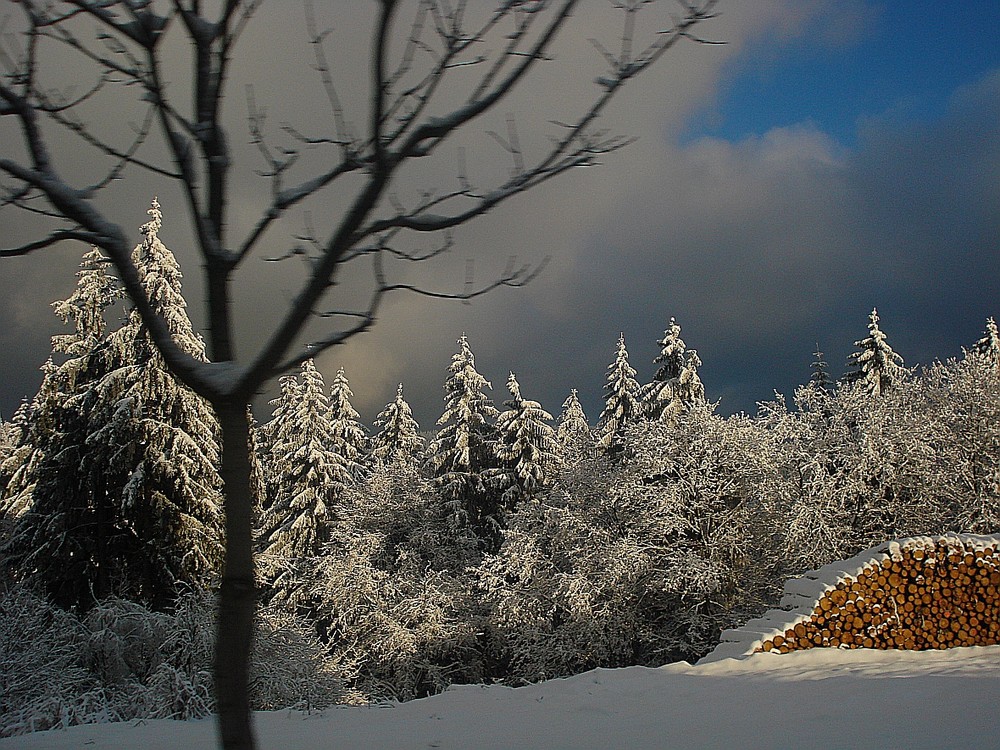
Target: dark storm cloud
x=763, y=247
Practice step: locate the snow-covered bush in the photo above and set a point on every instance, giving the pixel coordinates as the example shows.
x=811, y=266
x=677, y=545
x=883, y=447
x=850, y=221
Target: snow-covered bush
x=121, y=661
x=403, y=633
x=639, y=561
x=291, y=667
x=42, y=676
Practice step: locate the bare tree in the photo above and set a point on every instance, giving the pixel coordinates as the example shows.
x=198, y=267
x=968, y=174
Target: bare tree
x=180, y=135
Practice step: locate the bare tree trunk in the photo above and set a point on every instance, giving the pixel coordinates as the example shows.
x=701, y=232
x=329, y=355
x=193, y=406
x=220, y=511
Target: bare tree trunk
x=238, y=595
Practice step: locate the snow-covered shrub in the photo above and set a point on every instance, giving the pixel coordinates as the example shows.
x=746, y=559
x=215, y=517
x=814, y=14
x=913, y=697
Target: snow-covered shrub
x=642, y=560
x=180, y=687
x=123, y=641
x=404, y=633
x=961, y=409
x=121, y=662
x=41, y=678
x=292, y=669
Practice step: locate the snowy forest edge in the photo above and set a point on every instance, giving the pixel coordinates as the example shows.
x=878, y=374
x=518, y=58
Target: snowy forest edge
x=510, y=547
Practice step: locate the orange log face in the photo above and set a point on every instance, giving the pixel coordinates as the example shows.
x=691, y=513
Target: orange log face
x=927, y=597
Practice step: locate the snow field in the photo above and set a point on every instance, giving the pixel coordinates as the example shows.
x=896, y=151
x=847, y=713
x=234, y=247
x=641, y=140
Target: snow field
x=827, y=698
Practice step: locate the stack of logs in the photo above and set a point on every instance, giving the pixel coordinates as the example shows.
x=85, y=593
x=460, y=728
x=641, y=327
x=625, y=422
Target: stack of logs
x=939, y=596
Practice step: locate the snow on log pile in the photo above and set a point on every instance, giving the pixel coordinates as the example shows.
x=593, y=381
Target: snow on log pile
x=916, y=593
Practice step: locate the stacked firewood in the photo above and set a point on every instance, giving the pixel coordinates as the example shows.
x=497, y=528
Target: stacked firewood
x=941, y=595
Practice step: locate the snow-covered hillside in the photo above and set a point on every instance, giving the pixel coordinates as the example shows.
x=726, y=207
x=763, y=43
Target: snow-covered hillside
x=817, y=698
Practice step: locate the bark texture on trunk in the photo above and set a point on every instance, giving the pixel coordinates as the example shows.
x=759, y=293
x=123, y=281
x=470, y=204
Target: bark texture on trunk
x=238, y=594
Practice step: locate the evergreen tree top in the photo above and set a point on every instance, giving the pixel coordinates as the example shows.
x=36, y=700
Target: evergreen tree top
x=515, y=391
x=161, y=279
x=96, y=290
x=518, y=403
x=399, y=433
x=820, y=377
x=572, y=411
x=875, y=364
x=621, y=405
x=573, y=426
x=340, y=398
x=671, y=357
x=464, y=398
x=989, y=345
x=526, y=444
x=350, y=438
x=620, y=370
x=462, y=444
x=152, y=227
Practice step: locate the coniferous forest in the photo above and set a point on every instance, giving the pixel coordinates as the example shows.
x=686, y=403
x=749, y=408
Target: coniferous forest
x=501, y=544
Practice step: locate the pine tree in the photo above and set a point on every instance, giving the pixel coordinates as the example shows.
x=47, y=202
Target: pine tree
x=876, y=367
x=304, y=470
x=19, y=466
x=350, y=439
x=280, y=428
x=671, y=358
x=820, y=377
x=10, y=437
x=127, y=497
x=989, y=345
x=39, y=420
x=676, y=385
x=526, y=447
x=258, y=470
x=573, y=427
x=463, y=447
x=399, y=434
x=621, y=405
x=306, y=476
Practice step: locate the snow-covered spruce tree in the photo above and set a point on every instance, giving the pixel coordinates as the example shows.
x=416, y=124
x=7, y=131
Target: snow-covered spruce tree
x=398, y=435
x=573, y=430
x=676, y=385
x=875, y=367
x=988, y=346
x=820, y=378
x=350, y=438
x=275, y=437
x=15, y=457
x=671, y=358
x=621, y=405
x=572, y=423
x=296, y=524
x=127, y=500
x=10, y=436
x=526, y=448
x=40, y=421
x=463, y=448
x=158, y=443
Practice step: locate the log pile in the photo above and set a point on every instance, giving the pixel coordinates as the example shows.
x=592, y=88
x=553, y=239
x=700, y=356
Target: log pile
x=941, y=594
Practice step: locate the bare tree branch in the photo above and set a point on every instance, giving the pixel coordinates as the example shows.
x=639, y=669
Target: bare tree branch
x=53, y=239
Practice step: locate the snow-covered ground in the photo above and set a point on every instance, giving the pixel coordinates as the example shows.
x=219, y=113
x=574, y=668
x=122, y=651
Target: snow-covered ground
x=817, y=698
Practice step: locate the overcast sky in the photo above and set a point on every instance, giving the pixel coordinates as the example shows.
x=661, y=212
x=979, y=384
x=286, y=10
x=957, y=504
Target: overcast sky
x=833, y=156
